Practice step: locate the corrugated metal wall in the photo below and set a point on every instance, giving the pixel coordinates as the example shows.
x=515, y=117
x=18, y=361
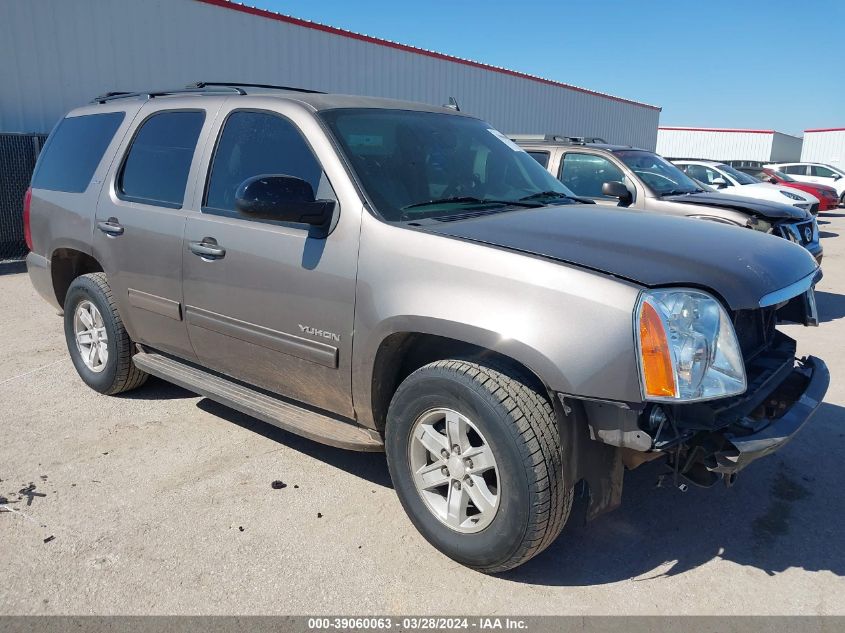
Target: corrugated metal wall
x=825, y=147
x=714, y=144
x=59, y=54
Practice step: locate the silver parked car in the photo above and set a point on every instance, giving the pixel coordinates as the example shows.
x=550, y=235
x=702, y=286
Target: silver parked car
x=381, y=275
x=634, y=178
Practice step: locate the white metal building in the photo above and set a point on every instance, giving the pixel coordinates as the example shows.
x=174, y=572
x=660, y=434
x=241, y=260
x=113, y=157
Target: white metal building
x=56, y=55
x=824, y=146
x=728, y=144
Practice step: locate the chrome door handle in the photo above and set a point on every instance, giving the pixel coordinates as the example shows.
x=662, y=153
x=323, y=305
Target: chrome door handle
x=110, y=227
x=207, y=249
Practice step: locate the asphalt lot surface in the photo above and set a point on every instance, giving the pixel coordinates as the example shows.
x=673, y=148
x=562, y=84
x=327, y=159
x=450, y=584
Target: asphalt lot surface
x=158, y=501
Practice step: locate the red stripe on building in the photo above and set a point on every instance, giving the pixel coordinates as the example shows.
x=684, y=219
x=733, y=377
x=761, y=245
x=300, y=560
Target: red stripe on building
x=827, y=129
x=716, y=129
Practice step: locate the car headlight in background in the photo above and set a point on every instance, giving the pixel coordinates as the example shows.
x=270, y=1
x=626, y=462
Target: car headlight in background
x=688, y=350
x=792, y=196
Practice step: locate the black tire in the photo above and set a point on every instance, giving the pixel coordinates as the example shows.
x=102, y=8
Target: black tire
x=842, y=200
x=520, y=427
x=119, y=373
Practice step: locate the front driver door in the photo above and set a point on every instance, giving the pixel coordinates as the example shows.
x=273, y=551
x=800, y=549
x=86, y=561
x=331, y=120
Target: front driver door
x=584, y=174
x=272, y=303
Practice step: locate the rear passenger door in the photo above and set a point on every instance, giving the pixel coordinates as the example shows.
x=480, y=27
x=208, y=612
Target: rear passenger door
x=273, y=303
x=140, y=221
x=799, y=172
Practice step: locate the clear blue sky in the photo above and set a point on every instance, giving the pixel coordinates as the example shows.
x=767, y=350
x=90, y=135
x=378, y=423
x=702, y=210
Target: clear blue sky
x=722, y=63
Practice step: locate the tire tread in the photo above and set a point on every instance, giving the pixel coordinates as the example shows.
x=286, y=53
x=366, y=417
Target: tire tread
x=128, y=376
x=535, y=422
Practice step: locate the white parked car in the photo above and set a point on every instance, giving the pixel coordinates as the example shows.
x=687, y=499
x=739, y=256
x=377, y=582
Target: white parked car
x=728, y=180
x=818, y=173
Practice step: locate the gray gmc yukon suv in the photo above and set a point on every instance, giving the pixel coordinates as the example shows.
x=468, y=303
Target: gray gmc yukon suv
x=381, y=275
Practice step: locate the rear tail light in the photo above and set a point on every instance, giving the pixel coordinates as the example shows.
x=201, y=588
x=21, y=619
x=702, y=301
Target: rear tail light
x=27, y=232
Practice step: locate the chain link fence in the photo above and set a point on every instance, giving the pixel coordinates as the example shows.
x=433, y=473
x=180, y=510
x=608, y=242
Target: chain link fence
x=18, y=153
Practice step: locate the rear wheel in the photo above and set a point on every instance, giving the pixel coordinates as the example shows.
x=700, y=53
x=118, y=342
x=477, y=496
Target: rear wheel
x=98, y=343
x=476, y=459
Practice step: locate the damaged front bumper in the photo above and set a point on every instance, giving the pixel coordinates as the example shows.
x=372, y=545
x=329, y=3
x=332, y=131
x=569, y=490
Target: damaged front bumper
x=809, y=382
x=707, y=441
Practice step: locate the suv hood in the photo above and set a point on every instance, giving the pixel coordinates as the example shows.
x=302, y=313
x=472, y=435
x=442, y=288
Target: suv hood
x=756, y=207
x=652, y=250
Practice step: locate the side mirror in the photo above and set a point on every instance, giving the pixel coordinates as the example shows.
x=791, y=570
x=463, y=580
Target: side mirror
x=836, y=177
x=773, y=180
x=719, y=183
x=616, y=189
x=282, y=198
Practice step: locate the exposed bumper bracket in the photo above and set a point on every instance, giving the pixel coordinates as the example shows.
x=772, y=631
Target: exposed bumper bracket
x=741, y=450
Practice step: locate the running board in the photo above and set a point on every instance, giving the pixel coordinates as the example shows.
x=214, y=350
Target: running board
x=315, y=426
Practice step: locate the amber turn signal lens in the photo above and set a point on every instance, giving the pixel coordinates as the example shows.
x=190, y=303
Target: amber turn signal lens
x=656, y=357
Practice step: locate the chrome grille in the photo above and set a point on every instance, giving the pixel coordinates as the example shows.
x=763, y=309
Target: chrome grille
x=801, y=232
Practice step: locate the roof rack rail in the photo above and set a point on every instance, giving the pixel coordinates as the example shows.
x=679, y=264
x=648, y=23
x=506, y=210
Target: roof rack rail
x=558, y=138
x=239, y=84
x=151, y=94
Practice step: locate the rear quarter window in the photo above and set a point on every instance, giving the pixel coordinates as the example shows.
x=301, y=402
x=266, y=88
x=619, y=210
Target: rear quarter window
x=540, y=157
x=74, y=150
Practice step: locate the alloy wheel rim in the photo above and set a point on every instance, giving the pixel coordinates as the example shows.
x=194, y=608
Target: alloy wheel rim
x=92, y=340
x=454, y=470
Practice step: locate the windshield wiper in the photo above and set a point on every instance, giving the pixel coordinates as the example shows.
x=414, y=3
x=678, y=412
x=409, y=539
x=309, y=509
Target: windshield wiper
x=546, y=194
x=681, y=192
x=468, y=200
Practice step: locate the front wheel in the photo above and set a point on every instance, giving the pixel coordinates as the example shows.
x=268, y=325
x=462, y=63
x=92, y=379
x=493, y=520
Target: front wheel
x=475, y=455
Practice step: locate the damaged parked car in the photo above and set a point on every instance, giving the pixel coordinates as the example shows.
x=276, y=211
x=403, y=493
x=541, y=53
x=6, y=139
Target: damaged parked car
x=638, y=179
x=383, y=275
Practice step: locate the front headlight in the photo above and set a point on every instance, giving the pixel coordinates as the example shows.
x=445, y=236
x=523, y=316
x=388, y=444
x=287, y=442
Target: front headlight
x=792, y=196
x=687, y=347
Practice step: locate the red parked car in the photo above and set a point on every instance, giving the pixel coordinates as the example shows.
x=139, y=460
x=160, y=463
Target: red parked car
x=828, y=198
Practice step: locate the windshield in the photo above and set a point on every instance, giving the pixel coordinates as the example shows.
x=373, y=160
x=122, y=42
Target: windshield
x=659, y=175
x=423, y=164
x=740, y=177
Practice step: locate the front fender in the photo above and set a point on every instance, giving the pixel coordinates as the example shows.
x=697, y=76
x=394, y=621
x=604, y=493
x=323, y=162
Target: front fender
x=572, y=327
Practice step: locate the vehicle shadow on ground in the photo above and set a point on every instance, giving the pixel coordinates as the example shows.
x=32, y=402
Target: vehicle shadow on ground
x=784, y=511
x=369, y=466
x=157, y=389
x=828, y=234
x=831, y=306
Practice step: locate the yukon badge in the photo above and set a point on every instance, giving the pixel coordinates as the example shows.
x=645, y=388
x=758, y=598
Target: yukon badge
x=307, y=329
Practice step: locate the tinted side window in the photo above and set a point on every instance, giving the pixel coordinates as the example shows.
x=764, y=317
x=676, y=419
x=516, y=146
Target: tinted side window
x=157, y=164
x=73, y=152
x=799, y=170
x=821, y=172
x=704, y=174
x=254, y=144
x=540, y=157
x=695, y=171
x=586, y=173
